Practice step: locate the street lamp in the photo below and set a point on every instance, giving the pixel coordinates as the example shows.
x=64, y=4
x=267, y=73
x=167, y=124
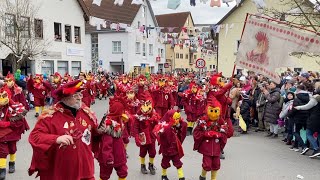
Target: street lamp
x=122, y=64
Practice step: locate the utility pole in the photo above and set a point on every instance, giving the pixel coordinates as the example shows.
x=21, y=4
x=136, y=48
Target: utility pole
x=122, y=64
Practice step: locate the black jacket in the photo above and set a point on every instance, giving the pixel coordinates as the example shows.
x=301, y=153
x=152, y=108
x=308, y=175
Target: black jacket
x=300, y=116
x=245, y=109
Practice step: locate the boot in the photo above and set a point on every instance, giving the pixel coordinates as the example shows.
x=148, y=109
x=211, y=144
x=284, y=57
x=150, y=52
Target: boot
x=3, y=174
x=152, y=169
x=202, y=178
x=127, y=156
x=269, y=135
x=182, y=178
x=12, y=167
x=144, y=169
x=37, y=114
x=189, y=131
x=164, y=178
x=222, y=156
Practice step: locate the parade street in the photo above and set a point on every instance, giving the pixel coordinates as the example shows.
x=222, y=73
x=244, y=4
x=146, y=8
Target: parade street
x=248, y=157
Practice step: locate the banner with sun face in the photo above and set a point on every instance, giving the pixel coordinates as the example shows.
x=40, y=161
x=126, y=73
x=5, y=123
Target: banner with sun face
x=266, y=45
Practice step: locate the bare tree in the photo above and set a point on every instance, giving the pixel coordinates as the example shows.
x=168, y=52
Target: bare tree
x=20, y=32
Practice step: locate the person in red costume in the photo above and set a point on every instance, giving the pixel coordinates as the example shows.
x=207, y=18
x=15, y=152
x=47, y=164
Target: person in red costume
x=191, y=102
x=91, y=80
x=64, y=138
x=173, y=86
x=12, y=125
x=141, y=86
x=103, y=87
x=131, y=108
x=172, y=131
x=145, y=121
x=56, y=83
x=15, y=90
x=219, y=91
x=87, y=90
x=39, y=88
x=66, y=79
x=162, y=97
x=112, y=153
x=122, y=85
x=210, y=138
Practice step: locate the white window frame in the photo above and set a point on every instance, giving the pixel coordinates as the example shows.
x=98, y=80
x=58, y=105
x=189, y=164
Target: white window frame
x=116, y=47
x=63, y=69
x=138, y=48
x=75, y=70
x=151, y=49
x=161, y=53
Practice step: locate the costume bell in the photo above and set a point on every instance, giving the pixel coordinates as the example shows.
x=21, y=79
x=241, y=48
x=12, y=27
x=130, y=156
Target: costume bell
x=112, y=153
x=210, y=138
x=145, y=121
x=12, y=125
x=172, y=132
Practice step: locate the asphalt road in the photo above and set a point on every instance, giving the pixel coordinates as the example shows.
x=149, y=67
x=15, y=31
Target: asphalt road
x=248, y=157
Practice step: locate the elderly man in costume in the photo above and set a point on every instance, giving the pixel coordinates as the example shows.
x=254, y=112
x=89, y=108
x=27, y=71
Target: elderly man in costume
x=12, y=125
x=64, y=138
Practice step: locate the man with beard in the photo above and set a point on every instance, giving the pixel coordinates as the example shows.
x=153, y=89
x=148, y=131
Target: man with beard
x=63, y=138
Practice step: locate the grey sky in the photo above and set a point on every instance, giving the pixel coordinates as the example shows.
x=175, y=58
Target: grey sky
x=201, y=13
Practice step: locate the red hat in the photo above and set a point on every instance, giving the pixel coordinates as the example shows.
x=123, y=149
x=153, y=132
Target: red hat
x=116, y=107
x=146, y=96
x=213, y=102
x=10, y=77
x=192, y=84
x=66, y=74
x=214, y=79
x=67, y=89
x=57, y=75
x=142, y=77
x=167, y=117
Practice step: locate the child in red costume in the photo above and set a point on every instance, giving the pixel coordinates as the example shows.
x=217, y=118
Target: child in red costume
x=12, y=125
x=39, y=88
x=112, y=153
x=145, y=121
x=172, y=133
x=210, y=138
x=103, y=87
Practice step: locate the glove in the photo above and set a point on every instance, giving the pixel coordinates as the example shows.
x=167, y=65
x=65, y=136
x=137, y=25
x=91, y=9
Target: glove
x=137, y=140
x=212, y=134
x=4, y=124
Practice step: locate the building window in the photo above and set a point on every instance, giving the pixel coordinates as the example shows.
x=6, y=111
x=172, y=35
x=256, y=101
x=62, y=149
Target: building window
x=10, y=24
x=177, y=55
x=297, y=69
x=67, y=30
x=38, y=28
x=195, y=56
x=25, y=27
x=77, y=35
x=210, y=66
x=213, y=66
x=47, y=67
x=162, y=54
x=181, y=56
x=57, y=32
x=75, y=68
x=116, y=46
x=187, y=56
x=62, y=67
x=144, y=49
x=138, y=51
x=151, y=49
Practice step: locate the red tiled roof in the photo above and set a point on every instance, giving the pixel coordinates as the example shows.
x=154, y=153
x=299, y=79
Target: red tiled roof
x=173, y=20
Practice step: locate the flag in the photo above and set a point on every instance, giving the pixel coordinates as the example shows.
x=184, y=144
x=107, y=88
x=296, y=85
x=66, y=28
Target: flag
x=266, y=45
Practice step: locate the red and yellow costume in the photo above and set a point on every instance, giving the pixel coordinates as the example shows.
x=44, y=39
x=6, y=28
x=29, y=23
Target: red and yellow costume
x=87, y=89
x=193, y=104
x=172, y=131
x=66, y=79
x=122, y=85
x=162, y=97
x=56, y=84
x=12, y=125
x=16, y=91
x=142, y=86
x=103, y=87
x=112, y=153
x=58, y=162
x=145, y=121
x=39, y=88
x=210, y=138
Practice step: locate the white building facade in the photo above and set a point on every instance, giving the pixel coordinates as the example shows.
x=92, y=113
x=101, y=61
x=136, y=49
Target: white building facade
x=135, y=50
x=62, y=25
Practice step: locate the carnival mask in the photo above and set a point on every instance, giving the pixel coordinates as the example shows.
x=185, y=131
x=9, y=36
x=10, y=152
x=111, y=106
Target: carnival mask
x=146, y=107
x=162, y=82
x=176, y=118
x=9, y=82
x=4, y=98
x=194, y=89
x=125, y=80
x=170, y=83
x=213, y=113
x=130, y=95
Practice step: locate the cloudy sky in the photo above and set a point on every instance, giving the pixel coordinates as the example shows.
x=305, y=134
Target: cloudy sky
x=201, y=13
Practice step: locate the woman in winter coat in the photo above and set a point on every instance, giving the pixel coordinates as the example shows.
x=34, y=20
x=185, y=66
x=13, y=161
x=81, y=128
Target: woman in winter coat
x=273, y=108
x=313, y=122
x=287, y=106
x=300, y=116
